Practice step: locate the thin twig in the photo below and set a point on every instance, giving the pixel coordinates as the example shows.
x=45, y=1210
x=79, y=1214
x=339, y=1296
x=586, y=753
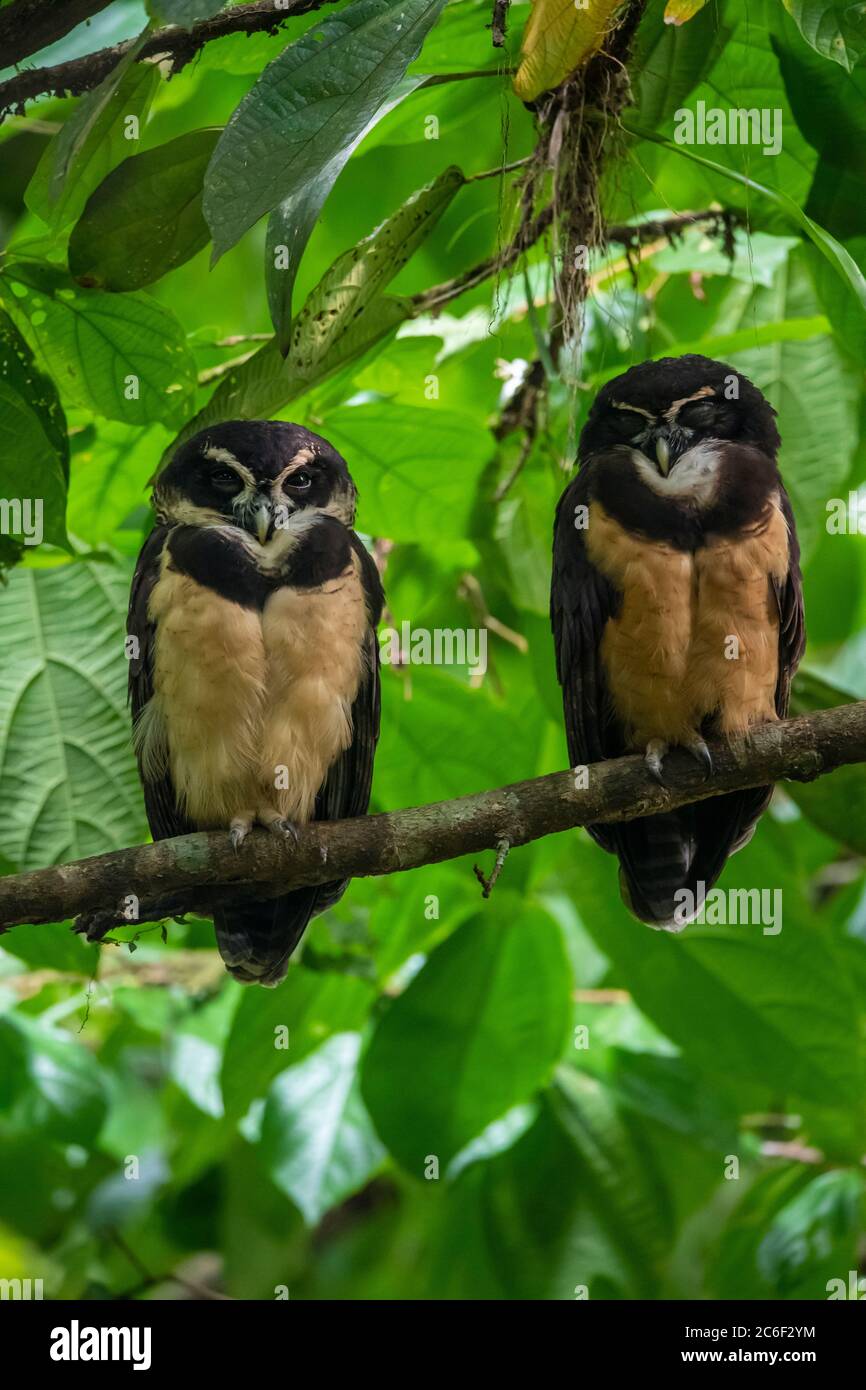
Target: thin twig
x=488, y=884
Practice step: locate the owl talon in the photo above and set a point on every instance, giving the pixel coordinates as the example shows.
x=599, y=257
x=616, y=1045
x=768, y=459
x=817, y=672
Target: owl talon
x=238, y=832
x=285, y=828
x=655, y=752
x=697, y=749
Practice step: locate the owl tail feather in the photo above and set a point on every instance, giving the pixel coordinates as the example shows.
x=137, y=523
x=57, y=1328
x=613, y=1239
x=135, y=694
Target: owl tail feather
x=669, y=862
x=257, y=937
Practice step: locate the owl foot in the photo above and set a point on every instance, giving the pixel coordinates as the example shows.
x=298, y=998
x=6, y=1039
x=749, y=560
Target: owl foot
x=655, y=752
x=697, y=749
x=694, y=745
x=279, y=825
x=239, y=830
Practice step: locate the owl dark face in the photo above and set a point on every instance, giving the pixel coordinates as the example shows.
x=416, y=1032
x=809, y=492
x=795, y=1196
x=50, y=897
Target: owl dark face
x=254, y=474
x=665, y=408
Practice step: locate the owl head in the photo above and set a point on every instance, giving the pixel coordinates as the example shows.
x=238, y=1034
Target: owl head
x=254, y=474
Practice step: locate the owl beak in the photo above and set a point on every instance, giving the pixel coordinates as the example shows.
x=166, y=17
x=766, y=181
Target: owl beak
x=663, y=454
x=264, y=520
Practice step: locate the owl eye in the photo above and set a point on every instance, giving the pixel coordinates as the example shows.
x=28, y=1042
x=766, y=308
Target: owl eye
x=628, y=423
x=698, y=416
x=299, y=481
x=225, y=479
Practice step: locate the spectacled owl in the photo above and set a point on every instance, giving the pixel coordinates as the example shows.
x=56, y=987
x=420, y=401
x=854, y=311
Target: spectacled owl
x=676, y=605
x=255, y=687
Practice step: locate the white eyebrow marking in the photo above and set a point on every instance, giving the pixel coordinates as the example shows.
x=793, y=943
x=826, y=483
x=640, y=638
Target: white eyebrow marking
x=672, y=410
x=623, y=405
x=227, y=457
x=305, y=455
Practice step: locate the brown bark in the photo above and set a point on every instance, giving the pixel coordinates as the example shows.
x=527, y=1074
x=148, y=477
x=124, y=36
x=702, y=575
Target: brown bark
x=621, y=789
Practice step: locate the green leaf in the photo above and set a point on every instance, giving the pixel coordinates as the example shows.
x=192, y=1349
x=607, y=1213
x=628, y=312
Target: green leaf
x=819, y=1227
x=628, y=1192
x=111, y=466
x=307, y=106
x=669, y=62
x=49, y=1084
x=406, y=493
x=125, y=359
x=358, y=276
x=273, y=1029
x=50, y=947
x=839, y=258
x=145, y=218
x=834, y=28
x=92, y=141
x=835, y=803
x=68, y=784
x=769, y=1010
x=477, y=1031
x=343, y=317
x=290, y=224
x=317, y=1139
x=34, y=450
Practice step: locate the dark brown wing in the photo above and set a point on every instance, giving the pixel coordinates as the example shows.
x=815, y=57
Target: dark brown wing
x=163, y=815
x=346, y=790
x=582, y=601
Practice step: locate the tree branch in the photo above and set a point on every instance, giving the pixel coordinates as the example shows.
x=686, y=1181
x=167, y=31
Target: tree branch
x=28, y=25
x=621, y=789
x=180, y=45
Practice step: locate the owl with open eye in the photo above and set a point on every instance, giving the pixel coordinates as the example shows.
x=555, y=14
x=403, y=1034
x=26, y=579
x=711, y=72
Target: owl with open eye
x=676, y=605
x=254, y=682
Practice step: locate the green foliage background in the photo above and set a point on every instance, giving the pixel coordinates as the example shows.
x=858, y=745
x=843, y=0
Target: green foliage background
x=581, y=1084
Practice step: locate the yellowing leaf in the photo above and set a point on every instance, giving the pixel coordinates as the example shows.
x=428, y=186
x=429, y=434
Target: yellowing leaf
x=559, y=36
x=681, y=11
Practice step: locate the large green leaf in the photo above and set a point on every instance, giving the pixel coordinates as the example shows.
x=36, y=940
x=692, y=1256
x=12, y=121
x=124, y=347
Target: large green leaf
x=476, y=1032
x=68, y=785
x=275, y=1029
x=111, y=465
x=835, y=803
x=628, y=1192
x=834, y=28
x=416, y=470
x=772, y=1011
x=48, y=1084
x=34, y=451
x=670, y=60
x=342, y=318
x=290, y=224
x=94, y=139
x=145, y=218
x=317, y=1139
x=814, y=388
x=125, y=359
x=307, y=106
x=839, y=258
